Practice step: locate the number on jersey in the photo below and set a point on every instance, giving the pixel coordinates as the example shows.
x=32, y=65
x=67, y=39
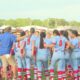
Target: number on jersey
x=60, y=43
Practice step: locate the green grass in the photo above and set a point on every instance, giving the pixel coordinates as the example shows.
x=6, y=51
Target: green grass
x=43, y=77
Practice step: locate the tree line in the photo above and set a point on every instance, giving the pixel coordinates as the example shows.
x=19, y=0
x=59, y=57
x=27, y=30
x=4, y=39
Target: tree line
x=50, y=22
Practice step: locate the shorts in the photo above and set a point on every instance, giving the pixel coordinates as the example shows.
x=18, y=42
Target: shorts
x=8, y=60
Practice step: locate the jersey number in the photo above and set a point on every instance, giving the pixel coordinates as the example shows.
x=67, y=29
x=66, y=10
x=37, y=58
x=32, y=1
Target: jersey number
x=60, y=43
x=28, y=41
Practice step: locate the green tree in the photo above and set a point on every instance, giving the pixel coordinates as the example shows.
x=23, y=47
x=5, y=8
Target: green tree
x=74, y=23
x=2, y=22
x=37, y=22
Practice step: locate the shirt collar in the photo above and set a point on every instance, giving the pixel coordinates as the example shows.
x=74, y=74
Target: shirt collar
x=7, y=33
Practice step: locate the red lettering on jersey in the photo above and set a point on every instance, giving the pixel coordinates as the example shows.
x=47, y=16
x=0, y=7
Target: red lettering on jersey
x=28, y=41
x=22, y=50
x=60, y=43
x=35, y=51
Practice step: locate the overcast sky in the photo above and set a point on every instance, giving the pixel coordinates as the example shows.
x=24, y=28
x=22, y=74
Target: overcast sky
x=40, y=9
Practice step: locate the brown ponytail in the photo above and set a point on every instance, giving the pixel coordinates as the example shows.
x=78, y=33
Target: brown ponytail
x=42, y=36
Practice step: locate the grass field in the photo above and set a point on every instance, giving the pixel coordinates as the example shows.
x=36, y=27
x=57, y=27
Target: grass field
x=43, y=77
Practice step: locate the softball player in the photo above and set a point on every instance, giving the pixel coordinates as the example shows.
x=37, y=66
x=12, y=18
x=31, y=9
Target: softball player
x=75, y=53
x=67, y=51
x=20, y=56
x=69, y=63
x=49, y=41
x=0, y=65
x=67, y=57
x=30, y=49
x=79, y=60
x=42, y=56
x=58, y=55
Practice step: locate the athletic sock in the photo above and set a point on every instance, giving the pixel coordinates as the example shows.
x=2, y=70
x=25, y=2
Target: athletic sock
x=69, y=67
x=51, y=74
x=39, y=74
x=25, y=75
x=60, y=75
x=70, y=71
x=64, y=75
x=35, y=73
x=79, y=73
x=75, y=74
x=28, y=75
x=47, y=74
x=20, y=73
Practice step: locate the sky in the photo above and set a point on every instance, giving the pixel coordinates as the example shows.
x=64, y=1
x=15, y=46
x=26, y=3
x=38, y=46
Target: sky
x=40, y=9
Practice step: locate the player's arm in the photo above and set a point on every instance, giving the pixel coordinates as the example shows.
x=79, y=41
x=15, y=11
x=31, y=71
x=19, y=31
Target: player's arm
x=67, y=45
x=20, y=38
x=53, y=43
x=49, y=45
x=72, y=45
x=17, y=38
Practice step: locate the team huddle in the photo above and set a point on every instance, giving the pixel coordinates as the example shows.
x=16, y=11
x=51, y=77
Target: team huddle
x=42, y=51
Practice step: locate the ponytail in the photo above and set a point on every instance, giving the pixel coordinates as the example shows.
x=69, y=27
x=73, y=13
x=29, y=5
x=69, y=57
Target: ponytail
x=41, y=43
x=65, y=34
x=42, y=36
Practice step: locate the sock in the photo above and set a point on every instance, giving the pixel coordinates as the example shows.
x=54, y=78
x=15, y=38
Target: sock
x=25, y=75
x=46, y=74
x=51, y=74
x=28, y=75
x=75, y=74
x=79, y=73
x=69, y=68
x=64, y=75
x=39, y=75
x=35, y=73
x=60, y=75
x=20, y=73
